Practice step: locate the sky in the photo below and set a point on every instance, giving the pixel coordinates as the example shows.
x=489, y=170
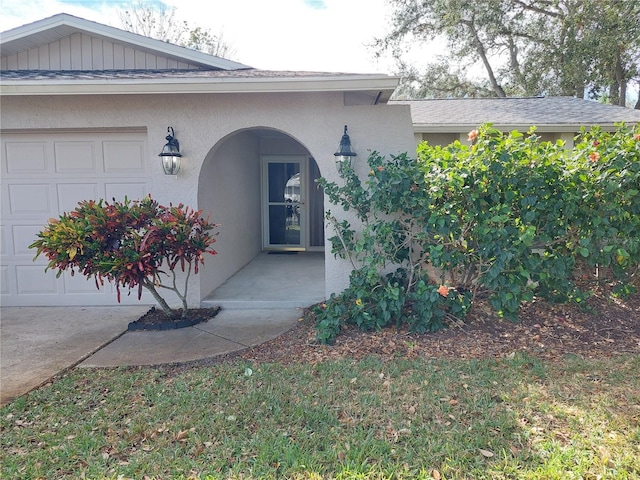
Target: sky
x=306, y=35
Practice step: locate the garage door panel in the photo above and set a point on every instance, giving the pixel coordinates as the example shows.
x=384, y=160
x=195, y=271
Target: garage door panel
x=45, y=174
x=75, y=157
x=69, y=194
x=4, y=280
x=124, y=157
x=23, y=236
x=31, y=199
x=32, y=279
x=25, y=157
x=4, y=248
x=133, y=191
x=78, y=283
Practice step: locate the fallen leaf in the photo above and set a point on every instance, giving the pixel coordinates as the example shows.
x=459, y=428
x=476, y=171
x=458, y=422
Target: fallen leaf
x=435, y=474
x=486, y=453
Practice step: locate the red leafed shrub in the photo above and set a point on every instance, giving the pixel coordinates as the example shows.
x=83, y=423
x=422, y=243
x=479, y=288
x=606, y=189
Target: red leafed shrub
x=129, y=243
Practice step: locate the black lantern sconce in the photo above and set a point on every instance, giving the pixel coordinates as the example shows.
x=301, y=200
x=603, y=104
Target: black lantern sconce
x=170, y=155
x=345, y=153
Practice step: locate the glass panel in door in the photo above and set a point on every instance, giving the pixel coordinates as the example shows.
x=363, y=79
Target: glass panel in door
x=284, y=220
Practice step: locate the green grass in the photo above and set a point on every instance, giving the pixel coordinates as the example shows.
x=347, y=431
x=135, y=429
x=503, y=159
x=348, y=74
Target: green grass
x=369, y=419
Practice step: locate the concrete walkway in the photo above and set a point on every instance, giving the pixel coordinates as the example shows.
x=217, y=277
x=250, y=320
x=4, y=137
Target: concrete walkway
x=262, y=301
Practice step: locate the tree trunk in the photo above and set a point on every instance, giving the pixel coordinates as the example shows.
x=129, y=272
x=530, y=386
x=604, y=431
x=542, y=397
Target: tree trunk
x=161, y=301
x=485, y=60
x=619, y=95
x=637, y=107
x=623, y=94
x=614, y=93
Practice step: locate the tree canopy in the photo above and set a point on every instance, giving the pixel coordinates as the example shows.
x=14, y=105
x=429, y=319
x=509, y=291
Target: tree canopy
x=159, y=22
x=526, y=47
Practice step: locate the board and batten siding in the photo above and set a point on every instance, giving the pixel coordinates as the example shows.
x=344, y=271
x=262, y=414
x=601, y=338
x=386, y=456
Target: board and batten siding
x=86, y=52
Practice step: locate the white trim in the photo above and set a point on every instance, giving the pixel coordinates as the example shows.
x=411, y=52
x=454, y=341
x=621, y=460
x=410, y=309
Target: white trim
x=340, y=83
x=465, y=128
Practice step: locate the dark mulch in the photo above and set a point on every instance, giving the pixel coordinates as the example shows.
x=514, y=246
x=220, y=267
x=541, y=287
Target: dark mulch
x=157, y=319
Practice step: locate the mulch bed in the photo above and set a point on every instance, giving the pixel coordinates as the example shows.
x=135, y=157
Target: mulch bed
x=156, y=319
x=605, y=326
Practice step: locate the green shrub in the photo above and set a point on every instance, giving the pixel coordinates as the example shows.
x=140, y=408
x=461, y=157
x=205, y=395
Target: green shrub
x=506, y=218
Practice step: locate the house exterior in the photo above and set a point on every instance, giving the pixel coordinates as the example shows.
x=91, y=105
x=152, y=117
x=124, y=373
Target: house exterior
x=86, y=108
x=85, y=112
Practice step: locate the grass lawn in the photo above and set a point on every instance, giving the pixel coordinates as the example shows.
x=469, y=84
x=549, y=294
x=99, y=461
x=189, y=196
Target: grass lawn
x=517, y=417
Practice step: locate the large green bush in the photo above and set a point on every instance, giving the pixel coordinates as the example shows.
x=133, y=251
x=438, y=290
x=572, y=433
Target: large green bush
x=506, y=218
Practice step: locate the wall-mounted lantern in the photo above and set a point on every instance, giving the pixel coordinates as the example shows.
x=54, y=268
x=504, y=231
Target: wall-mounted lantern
x=170, y=155
x=345, y=153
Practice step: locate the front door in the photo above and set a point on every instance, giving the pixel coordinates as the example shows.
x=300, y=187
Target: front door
x=284, y=202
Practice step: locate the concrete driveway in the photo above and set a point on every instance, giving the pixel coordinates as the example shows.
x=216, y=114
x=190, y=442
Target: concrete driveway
x=263, y=300
x=38, y=342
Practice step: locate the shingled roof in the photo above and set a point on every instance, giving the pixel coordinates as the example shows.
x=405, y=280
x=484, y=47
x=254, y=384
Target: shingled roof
x=32, y=64
x=156, y=74
x=546, y=113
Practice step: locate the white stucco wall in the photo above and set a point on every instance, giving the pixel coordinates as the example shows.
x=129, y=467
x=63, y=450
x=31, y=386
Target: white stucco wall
x=229, y=192
x=200, y=121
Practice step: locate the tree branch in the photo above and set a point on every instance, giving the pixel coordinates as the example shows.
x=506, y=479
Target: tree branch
x=536, y=9
x=485, y=60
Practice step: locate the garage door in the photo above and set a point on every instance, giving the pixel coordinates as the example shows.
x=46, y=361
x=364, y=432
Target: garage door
x=45, y=174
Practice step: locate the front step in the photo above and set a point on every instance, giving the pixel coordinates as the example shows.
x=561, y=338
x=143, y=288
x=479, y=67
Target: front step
x=249, y=304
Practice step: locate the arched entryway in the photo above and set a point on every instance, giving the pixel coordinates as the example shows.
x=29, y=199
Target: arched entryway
x=259, y=185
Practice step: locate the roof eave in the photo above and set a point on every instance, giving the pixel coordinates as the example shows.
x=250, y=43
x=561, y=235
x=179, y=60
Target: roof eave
x=540, y=128
x=198, y=85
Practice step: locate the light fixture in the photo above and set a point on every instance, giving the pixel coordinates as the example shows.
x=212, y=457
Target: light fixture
x=170, y=154
x=345, y=153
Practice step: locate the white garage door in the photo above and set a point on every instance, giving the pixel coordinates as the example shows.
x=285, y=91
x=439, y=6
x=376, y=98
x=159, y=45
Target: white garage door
x=46, y=174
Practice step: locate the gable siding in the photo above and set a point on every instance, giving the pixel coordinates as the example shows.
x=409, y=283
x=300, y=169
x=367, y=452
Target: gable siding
x=86, y=52
x=65, y=54
x=97, y=54
x=45, y=56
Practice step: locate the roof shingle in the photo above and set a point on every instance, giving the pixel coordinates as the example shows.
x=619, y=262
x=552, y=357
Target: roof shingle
x=470, y=112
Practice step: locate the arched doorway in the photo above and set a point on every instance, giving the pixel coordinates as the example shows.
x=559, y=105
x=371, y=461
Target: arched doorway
x=259, y=185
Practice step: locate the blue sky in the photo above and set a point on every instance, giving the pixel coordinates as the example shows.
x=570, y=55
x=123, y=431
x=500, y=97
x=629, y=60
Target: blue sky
x=311, y=35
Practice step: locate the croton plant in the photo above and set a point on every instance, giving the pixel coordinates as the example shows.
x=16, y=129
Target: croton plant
x=136, y=243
